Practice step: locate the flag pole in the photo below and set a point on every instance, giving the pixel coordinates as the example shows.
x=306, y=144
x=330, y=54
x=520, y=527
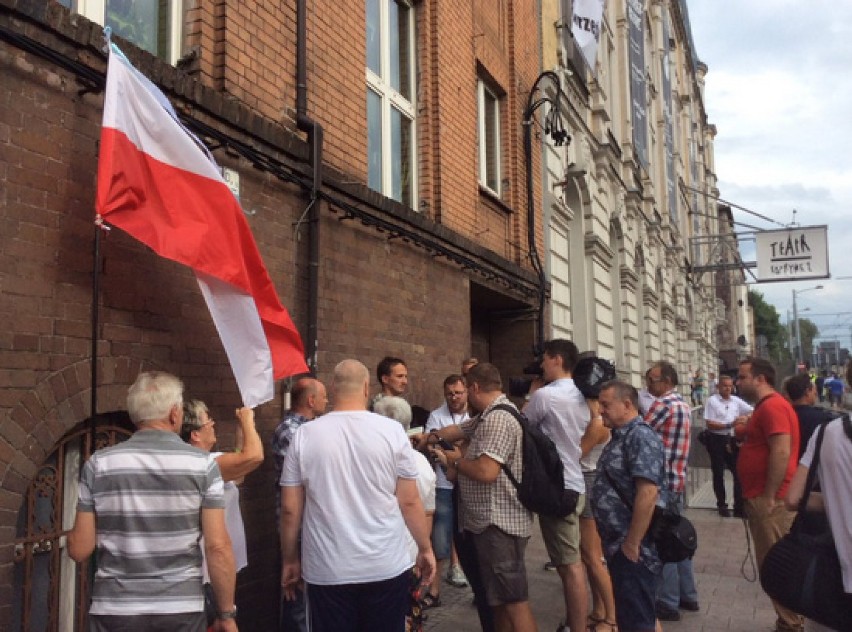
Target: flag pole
x=96, y=290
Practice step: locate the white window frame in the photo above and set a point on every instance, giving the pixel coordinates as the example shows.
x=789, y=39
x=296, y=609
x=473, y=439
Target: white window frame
x=95, y=10
x=391, y=98
x=482, y=90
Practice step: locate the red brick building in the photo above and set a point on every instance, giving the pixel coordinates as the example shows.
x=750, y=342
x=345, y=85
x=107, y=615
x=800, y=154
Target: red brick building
x=411, y=240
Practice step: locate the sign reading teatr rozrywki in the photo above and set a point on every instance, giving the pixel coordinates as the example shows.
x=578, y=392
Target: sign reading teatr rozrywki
x=791, y=254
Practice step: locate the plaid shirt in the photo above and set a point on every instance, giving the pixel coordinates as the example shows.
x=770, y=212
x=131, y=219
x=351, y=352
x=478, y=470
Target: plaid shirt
x=282, y=437
x=496, y=434
x=669, y=415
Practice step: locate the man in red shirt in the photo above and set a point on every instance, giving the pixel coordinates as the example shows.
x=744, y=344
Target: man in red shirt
x=766, y=463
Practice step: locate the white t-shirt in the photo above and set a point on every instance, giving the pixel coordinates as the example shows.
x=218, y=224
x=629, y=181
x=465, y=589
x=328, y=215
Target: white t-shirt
x=349, y=463
x=561, y=411
x=646, y=400
x=234, y=525
x=835, y=479
x=725, y=411
x=426, y=491
x=441, y=418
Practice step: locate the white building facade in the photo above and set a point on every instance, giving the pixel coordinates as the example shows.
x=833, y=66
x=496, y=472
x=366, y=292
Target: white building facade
x=629, y=207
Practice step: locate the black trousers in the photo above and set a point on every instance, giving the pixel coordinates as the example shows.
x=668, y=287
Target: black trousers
x=723, y=455
x=469, y=560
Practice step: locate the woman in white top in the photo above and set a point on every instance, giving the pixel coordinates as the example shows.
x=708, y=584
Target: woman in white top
x=199, y=430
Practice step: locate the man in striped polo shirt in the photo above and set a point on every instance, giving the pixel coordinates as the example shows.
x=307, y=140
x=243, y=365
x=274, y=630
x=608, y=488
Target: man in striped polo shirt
x=145, y=504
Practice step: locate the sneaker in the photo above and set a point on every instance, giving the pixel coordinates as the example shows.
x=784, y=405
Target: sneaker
x=691, y=606
x=664, y=613
x=456, y=577
x=563, y=627
x=549, y=566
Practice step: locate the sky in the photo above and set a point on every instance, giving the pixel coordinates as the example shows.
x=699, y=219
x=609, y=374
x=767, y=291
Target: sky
x=779, y=90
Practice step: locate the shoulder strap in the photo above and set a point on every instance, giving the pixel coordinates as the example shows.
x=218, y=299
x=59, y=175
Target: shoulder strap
x=517, y=415
x=609, y=478
x=812, y=470
x=621, y=496
x=512, y=410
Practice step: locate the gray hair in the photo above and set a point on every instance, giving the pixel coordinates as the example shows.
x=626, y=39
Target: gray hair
x=153, y=395
x=396, y=408
x=192, y=417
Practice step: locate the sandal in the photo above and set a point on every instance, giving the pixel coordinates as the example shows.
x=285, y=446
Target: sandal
x=593, y=625
x=430, y=601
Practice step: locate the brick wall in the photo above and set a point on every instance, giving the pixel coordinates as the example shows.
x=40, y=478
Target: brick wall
x=377, y=295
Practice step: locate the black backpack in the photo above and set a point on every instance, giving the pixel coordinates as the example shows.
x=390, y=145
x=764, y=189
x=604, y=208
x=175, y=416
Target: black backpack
x=542, y=485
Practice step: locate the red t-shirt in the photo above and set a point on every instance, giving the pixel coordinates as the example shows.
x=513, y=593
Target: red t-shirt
x=773, y=415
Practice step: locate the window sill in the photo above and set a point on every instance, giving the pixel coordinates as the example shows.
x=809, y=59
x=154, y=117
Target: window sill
x=491, y=196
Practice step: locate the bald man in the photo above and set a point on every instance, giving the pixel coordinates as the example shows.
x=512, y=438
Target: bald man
x=349, y=482
x=308, y=400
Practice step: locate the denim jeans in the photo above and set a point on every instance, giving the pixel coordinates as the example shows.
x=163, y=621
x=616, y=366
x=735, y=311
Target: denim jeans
x=677, y=582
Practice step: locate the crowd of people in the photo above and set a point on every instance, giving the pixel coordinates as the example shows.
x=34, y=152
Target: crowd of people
x=374, y=516
x=768, y=446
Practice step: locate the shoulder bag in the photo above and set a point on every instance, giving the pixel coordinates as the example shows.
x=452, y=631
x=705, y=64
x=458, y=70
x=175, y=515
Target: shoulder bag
x=672, y=533
x=802, y=571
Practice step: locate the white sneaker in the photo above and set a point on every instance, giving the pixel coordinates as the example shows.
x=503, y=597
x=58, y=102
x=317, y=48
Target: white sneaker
x=456, y=577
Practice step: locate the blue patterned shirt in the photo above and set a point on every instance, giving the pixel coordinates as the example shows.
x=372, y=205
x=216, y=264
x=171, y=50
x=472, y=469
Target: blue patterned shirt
x=282, y=437
x=635, y=451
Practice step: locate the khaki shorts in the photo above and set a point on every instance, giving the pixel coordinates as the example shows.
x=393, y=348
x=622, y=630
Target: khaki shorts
x=562, y=535
x=501, y=566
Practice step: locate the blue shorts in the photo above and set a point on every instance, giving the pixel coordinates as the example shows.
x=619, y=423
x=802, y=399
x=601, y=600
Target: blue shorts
x=442, y=524
x=633, y=587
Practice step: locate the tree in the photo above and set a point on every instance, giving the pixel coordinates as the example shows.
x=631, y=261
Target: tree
x=767, y=323
x=807, y=332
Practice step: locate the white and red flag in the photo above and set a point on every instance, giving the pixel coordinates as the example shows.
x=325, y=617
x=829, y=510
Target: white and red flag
x=156, y=183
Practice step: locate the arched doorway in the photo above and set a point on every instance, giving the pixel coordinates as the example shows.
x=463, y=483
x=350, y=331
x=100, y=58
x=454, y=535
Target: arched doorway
x=51, y=590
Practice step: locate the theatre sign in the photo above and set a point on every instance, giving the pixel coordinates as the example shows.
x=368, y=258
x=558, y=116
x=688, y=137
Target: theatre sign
x=791, y=254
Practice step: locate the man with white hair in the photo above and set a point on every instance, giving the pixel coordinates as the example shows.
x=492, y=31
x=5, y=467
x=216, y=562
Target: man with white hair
x=352, y=478
x=145, y=504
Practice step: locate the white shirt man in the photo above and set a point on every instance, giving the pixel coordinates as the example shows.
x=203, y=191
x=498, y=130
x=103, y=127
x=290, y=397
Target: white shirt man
x=353, y=479
x=720, y=413
x=723, y=408
x=560, y=410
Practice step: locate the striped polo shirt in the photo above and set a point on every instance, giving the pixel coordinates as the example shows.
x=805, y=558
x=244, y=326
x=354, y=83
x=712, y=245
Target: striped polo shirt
x=147, y=494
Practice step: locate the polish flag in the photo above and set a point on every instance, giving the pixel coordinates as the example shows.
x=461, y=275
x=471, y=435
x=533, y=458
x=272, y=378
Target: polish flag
x=158, y=184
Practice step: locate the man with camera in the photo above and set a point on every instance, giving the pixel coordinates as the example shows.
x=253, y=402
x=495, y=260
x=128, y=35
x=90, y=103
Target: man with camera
x=558, y=407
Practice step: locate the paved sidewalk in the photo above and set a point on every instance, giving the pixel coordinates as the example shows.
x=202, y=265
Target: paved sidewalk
x=728, y=601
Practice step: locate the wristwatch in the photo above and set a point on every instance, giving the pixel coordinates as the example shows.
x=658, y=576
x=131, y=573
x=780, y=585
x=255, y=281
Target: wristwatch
x=227, y=614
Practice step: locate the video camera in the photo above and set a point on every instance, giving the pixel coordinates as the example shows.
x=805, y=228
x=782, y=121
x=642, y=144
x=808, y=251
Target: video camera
x=520, y=386
x=589, y=374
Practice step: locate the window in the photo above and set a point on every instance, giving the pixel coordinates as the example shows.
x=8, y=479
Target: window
x=489, y=138
x=154, y=25
x=391, y=167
